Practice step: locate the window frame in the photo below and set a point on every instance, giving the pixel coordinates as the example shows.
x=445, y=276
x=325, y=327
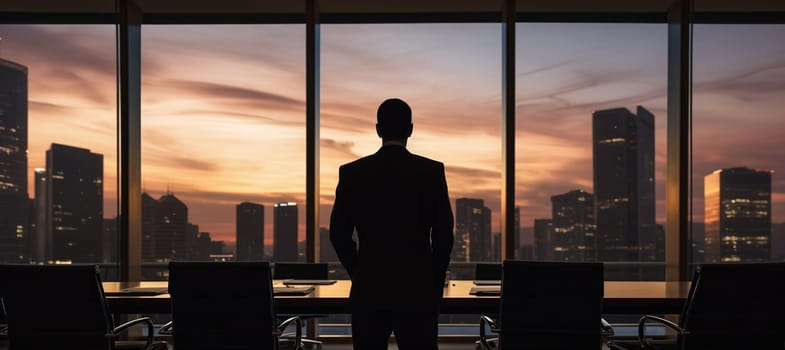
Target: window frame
x=130, y=15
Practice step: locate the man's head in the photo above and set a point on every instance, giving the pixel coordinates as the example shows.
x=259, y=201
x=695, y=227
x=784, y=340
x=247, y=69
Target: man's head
x=394, y=120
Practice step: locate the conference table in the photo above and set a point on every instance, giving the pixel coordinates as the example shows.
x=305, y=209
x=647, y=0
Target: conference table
x=620, y=297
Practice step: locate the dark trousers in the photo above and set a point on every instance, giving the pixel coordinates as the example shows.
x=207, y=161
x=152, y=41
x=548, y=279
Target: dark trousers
x=414, y=328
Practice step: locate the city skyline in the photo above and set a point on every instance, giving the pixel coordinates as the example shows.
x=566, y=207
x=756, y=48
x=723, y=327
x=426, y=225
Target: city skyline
x=562, y=96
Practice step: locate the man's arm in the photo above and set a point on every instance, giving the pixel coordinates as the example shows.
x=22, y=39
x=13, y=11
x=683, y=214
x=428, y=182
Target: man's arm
x=441, y=227
x=342, y=226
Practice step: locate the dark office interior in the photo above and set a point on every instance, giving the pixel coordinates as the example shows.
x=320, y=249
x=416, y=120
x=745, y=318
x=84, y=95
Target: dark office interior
x=614, y=169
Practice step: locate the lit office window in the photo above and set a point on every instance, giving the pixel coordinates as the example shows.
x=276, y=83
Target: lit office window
x=58, y=173
x=590, y=145
x=450, y=75
x=738, y=197
x=223, y=144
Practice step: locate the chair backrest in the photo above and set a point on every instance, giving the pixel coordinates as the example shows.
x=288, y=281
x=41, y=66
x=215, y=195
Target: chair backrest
x=736, y=305
x=487, y=271
x=551, y=305
x=222, y=305
x=55, y=307
x=303, y=271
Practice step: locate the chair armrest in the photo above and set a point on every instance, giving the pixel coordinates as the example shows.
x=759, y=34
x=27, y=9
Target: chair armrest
x=660, y=320
x=145, y=320
x=298, y=332
x=605, y=328
x=483, y=338
x=166, y=328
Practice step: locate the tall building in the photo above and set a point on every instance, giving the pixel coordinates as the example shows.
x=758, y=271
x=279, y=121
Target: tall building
x=623, y=152
x=250, y=231
x=171, y=231
x=148, y=227
x=74, y=178
x=14, y=206
x=573, y=226
x=543, y=238
x=472, y=231
x=326, y=251
x=737, y=214
x=518, y=238
x=285, y=232
x=110, y=240
x=39, y=244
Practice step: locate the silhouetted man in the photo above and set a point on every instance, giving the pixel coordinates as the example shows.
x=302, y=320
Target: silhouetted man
x=398, y=204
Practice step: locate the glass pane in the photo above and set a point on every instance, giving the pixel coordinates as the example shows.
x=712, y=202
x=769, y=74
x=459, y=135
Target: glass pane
x=450, y=76
x=223, y=143
x=738, y=209
x=590, y=145
x=58, y=158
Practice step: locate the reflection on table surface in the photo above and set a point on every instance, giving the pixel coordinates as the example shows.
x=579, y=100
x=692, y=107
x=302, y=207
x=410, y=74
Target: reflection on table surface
x=620, y=298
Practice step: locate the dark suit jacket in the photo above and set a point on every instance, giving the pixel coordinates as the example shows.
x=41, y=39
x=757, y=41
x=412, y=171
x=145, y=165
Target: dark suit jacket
x=399, y=206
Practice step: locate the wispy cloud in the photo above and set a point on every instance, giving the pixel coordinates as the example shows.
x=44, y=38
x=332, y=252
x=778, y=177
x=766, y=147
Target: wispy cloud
x=345, y=148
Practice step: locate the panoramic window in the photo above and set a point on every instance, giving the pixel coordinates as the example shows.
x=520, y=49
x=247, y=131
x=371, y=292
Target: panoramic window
x=450, y=75
x=590, y=145
x=223, y=144
x=738, y=196
x=58, y=145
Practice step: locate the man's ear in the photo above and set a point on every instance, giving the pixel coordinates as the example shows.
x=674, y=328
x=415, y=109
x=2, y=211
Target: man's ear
x=409, y=132
x=378, y=130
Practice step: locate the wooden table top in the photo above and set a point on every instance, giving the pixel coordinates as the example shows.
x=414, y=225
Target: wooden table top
x=620, y=297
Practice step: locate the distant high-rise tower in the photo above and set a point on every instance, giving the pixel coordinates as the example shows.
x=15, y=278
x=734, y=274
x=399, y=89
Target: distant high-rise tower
x=172, y=231
x=250, y=231
x=14, y=205
x=573, y=226
x=543, y=239
x=75, y=187
x=148, y=227
x=285, y=232
x=40, y=246
x=737, y=215
x=326, y=250
x=472, y=230
x=518, y=245
x=623, y=149
x=486, y=250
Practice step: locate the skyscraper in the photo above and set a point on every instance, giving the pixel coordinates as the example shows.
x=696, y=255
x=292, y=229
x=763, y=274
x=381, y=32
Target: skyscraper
x=148, y=227
x=543, y=238
x=326, y=251
x=472, y=230
x=737, y=213
x=623, y=152
x=171, y=231
x=74, y=178
x=573, y=226
x=14, y=205
x=39, y=236
x=518, y=245
x=285, y=232
x=250, y=231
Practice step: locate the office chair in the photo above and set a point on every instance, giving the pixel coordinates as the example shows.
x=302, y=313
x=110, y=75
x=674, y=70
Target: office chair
x=62, y=307
x=729, y=306
x=300, y=271
x=226, y=305
x=548, y=306
x=3, y=322
x=488, y=271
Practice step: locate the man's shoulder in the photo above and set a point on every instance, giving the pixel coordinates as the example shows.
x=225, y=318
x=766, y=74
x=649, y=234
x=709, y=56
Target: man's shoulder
x=427, y=161
x=374, y=159
x=358, y=163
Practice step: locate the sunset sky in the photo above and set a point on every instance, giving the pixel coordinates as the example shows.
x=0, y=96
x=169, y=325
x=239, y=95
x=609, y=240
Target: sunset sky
x=223, y=107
